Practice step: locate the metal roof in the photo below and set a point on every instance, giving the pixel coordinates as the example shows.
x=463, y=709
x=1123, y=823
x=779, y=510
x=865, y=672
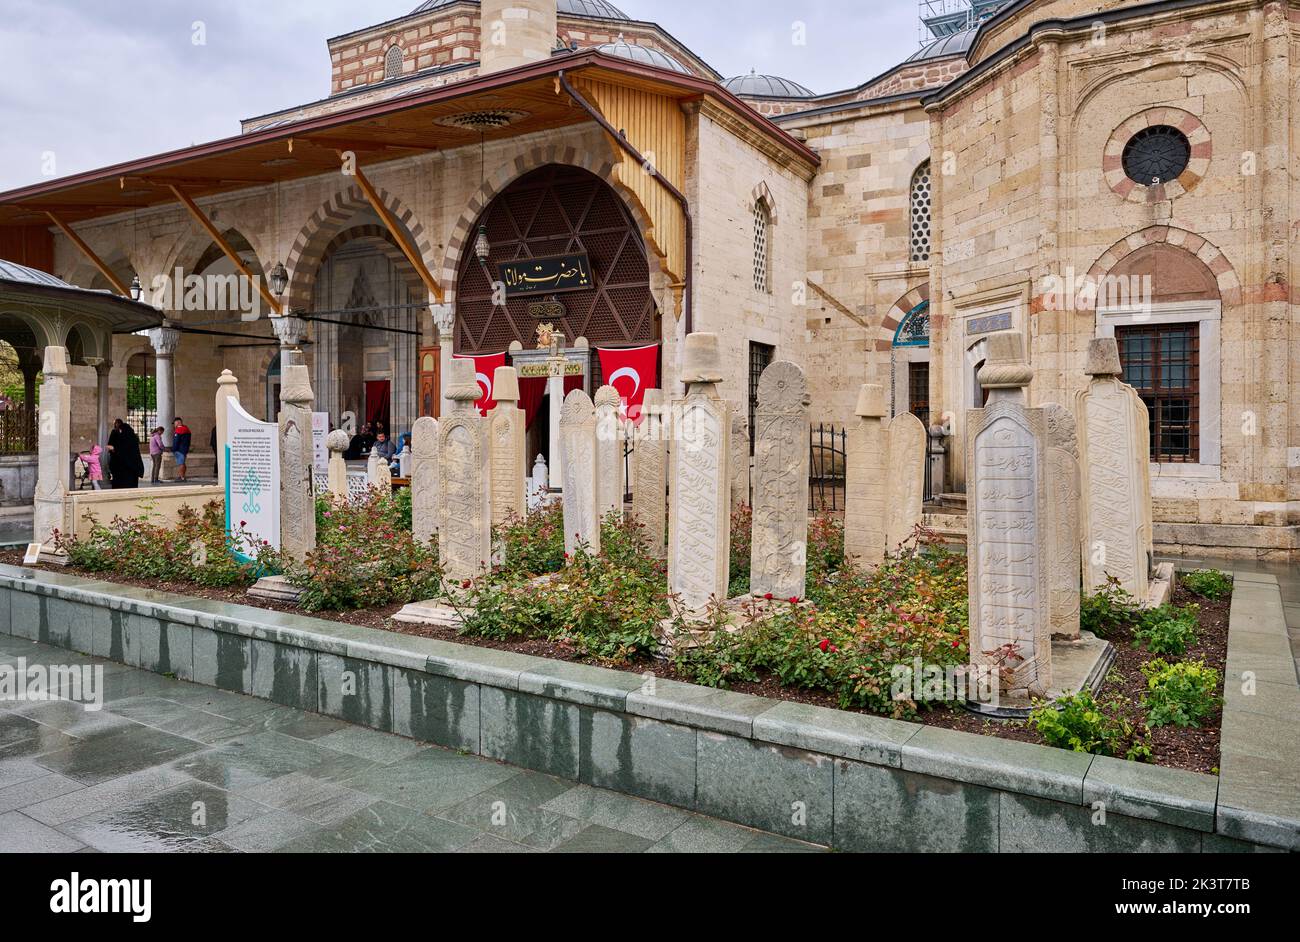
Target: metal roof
x=754, y=85
x=21, y=274
x=596, y=9
x=956, y=44
x=642, y=54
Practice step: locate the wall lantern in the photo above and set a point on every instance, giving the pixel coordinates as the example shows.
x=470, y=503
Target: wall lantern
x=137, y=289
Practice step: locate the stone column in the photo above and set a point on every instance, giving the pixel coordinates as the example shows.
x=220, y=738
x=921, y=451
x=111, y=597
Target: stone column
x=779, y=546
x=938, y=452
x=1063, y=521
x=444, y=325
x=740, y=467
x=424, y=480
x=165, y=340
x=650, y=473
x=103, y=368
x=609, y=453
x=577, y=440
x=555, y=365
x=864, y=480
x=508, y=448
x=291, y=332
x=337, y=443
x=227, y=388
x=1115, y=492
x=699, y=514
x=297, y=496
x=54, y=449
x=465, y=536
x=1006, y=457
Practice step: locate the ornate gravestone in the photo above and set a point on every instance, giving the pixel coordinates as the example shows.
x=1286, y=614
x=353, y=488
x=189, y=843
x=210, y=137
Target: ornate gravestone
x=379, y=474
x=650, y=472
x=865, y=477
x=578, y=445
x=609, y=453
x=424, y=480
x=465, y=535
x=904, y=478
x=53, y=448
x=1006, y=444
x=297, y=487
x=779, y=547
x=1115, y=495
x=1063, y=521
x=699, y=518
x=740, y=457
x=508, y=455
x=337, y=443
x=227, y=388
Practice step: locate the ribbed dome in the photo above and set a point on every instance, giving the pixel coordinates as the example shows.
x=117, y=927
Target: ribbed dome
x=597, y=9
x=642, y=54
x=754, y=85
x=12, y=271
x=954, y=45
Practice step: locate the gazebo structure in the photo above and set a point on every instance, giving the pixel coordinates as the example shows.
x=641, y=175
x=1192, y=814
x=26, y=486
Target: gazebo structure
x=38, y=311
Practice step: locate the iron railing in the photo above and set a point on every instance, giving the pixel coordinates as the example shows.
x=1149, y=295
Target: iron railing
x=827, y=457
x=17, y=430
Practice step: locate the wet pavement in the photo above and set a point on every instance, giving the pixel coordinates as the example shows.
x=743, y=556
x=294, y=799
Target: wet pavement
x=173, y=766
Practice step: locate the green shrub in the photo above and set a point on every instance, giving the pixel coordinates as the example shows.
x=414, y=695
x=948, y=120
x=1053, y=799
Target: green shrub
x=1079, y=723
x=1168, y=629
x=532, y=545
x=742, y=527
x=1181, y=694
x=1208, y=584
x=1108, y=610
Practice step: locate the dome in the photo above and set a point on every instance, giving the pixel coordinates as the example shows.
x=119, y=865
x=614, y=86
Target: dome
x=754, y=85
x=21, y=274
x=643, y=55
x=955, y=45
x=596, y=9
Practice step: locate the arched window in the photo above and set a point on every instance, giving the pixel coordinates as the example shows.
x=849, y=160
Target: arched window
x=393, y=62
x=919, y=214
x=762, y=246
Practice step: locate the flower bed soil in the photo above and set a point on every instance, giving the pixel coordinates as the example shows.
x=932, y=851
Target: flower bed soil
x=1195, y=750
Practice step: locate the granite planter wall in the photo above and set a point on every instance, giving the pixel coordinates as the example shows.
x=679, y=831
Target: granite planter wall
x=858, y=783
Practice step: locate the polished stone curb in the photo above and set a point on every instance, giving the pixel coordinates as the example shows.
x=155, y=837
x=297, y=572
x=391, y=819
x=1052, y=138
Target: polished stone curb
x=853, y=781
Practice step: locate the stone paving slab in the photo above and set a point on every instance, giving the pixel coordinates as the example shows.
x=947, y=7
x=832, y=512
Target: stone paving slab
x=135, y=776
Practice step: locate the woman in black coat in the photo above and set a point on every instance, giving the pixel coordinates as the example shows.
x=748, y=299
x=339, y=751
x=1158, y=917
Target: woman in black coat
x=124, y=461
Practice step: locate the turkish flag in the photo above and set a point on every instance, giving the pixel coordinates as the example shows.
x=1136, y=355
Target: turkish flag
x=484, y=369
x=631, y=371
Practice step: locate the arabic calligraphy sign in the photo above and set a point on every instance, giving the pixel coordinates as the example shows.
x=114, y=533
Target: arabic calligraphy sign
x=558, y=273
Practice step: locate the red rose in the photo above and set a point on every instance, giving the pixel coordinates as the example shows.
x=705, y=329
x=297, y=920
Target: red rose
x=826, y=643
x=466, y=584
x=768, y=596
x=794, y=600
x=243, y=523
x=956, y=644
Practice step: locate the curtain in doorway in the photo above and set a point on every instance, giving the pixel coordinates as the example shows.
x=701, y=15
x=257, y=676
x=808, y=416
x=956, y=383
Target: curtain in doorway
x=377, y=402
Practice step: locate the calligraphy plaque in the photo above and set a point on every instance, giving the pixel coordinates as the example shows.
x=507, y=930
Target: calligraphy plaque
x=549, y=275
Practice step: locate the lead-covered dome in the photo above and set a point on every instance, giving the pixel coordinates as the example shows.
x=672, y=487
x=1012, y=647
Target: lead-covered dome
x=642, y=54
x=754, y=85
x=957, y=44
x=596, y=9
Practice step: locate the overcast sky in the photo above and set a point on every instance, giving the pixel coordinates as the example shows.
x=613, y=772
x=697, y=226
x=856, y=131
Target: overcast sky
x=90, y=83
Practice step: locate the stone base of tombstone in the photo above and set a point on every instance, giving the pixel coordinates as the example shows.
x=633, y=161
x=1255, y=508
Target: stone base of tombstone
x=432, y=614
x=52, y=557
x=1160, y=587
x=1080, y=664
x=275, y=589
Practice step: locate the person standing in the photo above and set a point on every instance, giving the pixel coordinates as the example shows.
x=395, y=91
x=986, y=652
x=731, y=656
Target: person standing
x=182, y=438
x=156, y=449
x=124, y=462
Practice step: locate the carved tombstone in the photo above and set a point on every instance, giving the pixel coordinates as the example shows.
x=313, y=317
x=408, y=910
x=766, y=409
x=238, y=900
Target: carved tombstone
x=465, y=534
x=609, y=453
x=336, y=443
x=508, y=454
x=297, y=485
x=1006, y=454
x=227, y=388
x=54, y=448
x=578, y=445
x=424, y=480
x=650, y=472
x=904, y=478
x=1063, y=521
x=1115, y=494
x=779, y=546
x=699, y=509
x=740, y=456
x=865, y=477
x=379, y=474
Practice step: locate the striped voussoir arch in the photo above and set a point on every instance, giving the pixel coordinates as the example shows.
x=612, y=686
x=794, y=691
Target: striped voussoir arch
x=389, y=248
x=1202, y=248
x=889, y=326
x=325, y=225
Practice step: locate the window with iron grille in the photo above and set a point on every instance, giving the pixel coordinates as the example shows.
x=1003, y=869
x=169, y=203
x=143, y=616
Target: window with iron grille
x=393, y=62
x=760, y=358
x=1162, y=362
x=762, y=247
x=918, y=391
x=142, y=393
x=919, y=214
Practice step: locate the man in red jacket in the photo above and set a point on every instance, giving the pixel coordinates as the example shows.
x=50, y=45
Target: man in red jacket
x=181, y=441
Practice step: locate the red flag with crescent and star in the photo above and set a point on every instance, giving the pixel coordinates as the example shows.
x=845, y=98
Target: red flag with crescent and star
x=631, y=371
x=485, y=368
